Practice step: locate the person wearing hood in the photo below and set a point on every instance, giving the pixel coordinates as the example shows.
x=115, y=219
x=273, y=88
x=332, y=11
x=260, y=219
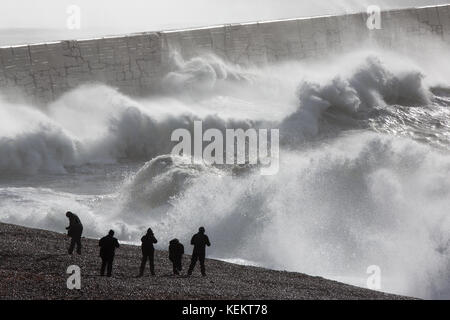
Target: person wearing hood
x=148, y=252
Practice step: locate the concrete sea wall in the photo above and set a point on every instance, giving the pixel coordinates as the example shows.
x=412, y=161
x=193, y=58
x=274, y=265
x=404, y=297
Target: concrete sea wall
x=136, y=63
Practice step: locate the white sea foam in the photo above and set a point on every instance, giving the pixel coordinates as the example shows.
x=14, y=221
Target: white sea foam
x=363, y=180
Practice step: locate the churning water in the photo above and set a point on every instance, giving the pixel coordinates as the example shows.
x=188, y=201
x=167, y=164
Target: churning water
x=364, y=173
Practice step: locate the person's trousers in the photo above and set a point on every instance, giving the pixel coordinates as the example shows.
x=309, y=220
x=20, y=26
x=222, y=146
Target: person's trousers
x=107, y=262
x=177, y=266
x=200, y=257
x=148, y=256
x=76, y=240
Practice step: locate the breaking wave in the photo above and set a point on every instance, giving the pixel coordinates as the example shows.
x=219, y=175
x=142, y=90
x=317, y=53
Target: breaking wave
x=363, y=180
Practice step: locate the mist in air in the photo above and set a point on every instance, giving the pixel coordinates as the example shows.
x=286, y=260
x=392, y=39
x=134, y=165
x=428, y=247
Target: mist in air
x=364, y=147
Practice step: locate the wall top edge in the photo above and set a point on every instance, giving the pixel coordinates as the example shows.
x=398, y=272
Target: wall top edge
x=135, y=34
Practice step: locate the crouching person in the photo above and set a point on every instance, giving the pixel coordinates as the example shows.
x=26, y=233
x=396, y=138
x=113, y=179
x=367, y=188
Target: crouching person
x=176, y=251
x=108, y=245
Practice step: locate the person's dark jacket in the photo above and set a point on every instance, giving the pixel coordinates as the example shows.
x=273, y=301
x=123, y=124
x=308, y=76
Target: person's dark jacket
x=200, y=241
x=108, y=245
x=75, y=227
x=176, y=250
x=147, y=243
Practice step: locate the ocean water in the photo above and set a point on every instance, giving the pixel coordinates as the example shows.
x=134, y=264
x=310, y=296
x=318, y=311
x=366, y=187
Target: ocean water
x=364, y=174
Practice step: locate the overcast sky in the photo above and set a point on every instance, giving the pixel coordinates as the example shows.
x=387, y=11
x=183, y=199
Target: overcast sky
x=114, y=16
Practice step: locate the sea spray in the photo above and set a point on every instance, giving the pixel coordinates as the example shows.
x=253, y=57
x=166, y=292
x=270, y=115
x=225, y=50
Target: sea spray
x=363, y=176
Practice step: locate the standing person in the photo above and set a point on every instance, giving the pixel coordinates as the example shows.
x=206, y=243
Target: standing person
x=74, y=230
x=176, y=251
x=108, y=245
x=148, y=252
x=200, y=240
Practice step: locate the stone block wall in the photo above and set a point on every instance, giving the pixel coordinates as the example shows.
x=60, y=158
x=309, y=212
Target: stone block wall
x=136, y=63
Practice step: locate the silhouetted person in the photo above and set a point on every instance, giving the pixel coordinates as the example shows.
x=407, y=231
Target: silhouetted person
x=200, y=240
x=176, y=251
x=148, y=252
x=74, y=230
x=108, y=245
